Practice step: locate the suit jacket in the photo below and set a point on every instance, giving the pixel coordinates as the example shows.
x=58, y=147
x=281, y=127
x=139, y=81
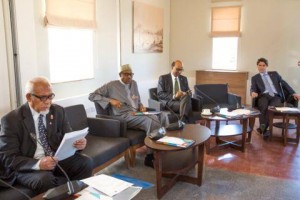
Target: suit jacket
x=258, y=86
x=165, y=87
x=17, y=147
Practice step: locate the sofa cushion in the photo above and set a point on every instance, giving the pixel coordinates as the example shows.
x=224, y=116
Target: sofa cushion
x=8, y=193
x=135, y=136
x=102, y=149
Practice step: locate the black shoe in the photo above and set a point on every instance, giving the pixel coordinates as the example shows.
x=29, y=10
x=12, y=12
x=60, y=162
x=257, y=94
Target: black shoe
x=266, y=135
x=149, y=160
x=259, y=131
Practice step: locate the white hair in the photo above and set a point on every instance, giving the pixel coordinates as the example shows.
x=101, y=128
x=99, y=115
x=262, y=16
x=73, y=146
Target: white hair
x=29, y=87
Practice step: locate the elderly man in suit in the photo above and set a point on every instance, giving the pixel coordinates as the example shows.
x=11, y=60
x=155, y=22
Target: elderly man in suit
x=173, y=90
x=123, y=95
x=266, y=86
x=29, y=137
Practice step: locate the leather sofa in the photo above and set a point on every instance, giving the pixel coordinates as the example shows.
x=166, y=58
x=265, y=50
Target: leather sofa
x=105, y=145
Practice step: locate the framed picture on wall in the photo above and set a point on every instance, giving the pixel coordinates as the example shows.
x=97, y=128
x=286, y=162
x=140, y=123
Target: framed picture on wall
x=148, y=24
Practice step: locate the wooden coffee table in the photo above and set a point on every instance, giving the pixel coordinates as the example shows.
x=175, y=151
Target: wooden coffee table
x=174, y=162
x=285, y=125
x=244, y=128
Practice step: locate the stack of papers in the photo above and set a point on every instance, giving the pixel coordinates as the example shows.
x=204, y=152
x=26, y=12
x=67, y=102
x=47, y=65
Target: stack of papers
x=287, y=109
x=146, y=113
x=107, y=184
x=175, y=141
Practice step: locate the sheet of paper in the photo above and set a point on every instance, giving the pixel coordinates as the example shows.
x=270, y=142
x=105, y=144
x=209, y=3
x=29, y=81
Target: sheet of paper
x=107, y=184
x=287, y=109
x=66, y=149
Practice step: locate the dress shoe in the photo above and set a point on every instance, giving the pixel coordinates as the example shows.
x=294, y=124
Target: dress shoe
x=266, y=135
x=259, y=131
x=149, y=160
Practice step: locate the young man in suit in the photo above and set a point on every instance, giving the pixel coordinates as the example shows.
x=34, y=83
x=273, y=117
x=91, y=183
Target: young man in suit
x=29, y=137
x=173, y=90
x=266, y=86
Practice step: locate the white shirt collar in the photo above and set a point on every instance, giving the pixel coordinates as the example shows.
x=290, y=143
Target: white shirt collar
x=173, y=77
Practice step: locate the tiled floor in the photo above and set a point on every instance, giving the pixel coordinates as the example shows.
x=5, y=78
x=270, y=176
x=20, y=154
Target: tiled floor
x=268, y=158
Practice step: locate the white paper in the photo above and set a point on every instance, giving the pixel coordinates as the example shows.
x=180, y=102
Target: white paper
x=66, y=148
x=107, y=184
x=287, y=109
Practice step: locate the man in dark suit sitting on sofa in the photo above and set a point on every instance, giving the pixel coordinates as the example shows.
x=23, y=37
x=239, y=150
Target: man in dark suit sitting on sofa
x=29, y=162
x=173, y=90
x=266, y=87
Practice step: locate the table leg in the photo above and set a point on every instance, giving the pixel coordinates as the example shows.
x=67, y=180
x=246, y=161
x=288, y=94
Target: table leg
x=285, y=128
x=245, y=124
x=271, y=116
x=200, y=164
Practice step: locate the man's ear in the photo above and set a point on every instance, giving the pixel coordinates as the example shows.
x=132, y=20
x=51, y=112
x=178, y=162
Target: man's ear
x=28, y=97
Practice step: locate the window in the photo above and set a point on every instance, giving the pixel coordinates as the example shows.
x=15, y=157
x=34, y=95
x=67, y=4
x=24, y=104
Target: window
x=225, y=30
x=225, y=53
x=70, y=37
x=70, y=54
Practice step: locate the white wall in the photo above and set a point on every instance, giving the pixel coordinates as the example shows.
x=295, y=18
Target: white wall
x=270, y=29
x=33, y=48
x=4, y=88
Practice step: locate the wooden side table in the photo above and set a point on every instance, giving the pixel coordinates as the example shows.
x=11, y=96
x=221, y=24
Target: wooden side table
x=285, y=125
x=174, y=162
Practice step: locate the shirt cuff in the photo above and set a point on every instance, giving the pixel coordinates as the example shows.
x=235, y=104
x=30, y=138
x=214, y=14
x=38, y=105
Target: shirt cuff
x=36, y=166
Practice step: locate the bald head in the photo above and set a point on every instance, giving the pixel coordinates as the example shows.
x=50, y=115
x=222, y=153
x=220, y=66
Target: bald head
x=177, y=68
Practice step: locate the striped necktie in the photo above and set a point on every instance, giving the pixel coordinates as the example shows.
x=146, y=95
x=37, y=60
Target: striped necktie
x=43, y=137
x=176, y=86
x=268, y=85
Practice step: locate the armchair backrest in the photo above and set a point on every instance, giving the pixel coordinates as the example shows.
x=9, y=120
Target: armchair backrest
x=77, y=117
x=217, y=92
x=153, y=93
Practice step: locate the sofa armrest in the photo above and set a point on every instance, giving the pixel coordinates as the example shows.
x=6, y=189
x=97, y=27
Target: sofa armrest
x=123, y=123
x=155, y=105
x=233, y=99
x=104, y=127
x=196, y=105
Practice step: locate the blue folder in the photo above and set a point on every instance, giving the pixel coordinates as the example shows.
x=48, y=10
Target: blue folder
x=134, y=181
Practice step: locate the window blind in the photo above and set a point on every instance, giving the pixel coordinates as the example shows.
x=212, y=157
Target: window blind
x=71, y=13
x=225, y=21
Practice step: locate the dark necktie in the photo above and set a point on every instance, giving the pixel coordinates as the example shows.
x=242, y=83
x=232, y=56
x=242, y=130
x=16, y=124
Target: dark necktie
x=43, y=137
x=176, y=86
x=268, y=86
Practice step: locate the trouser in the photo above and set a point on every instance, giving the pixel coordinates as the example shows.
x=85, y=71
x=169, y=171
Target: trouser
x=264, y=101
x=77, y=167
x=182, y=106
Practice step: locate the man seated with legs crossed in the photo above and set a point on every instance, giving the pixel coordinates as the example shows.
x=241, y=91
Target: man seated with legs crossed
x=266, y=87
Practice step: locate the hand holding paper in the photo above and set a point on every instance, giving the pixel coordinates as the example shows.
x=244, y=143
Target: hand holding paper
x=66, y=147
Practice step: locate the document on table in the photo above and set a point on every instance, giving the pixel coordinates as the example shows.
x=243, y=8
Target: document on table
x=90, y=193
x=287, y=109
x=66, y=148
x=107, y=184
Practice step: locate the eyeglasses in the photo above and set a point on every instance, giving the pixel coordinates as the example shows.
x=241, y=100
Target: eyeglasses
x=44, y=98
x=128, y=74
x=179, y=69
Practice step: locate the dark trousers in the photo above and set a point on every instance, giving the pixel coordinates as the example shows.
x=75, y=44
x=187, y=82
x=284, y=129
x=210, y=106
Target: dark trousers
x=264, y=101
x=182, y=106
x=77, y=167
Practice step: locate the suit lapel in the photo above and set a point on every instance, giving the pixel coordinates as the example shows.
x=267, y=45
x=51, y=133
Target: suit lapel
x=50, y=122
x=28, y=121
x=170, y=83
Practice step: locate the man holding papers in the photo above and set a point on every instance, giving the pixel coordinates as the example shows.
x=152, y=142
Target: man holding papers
x=30, y=136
